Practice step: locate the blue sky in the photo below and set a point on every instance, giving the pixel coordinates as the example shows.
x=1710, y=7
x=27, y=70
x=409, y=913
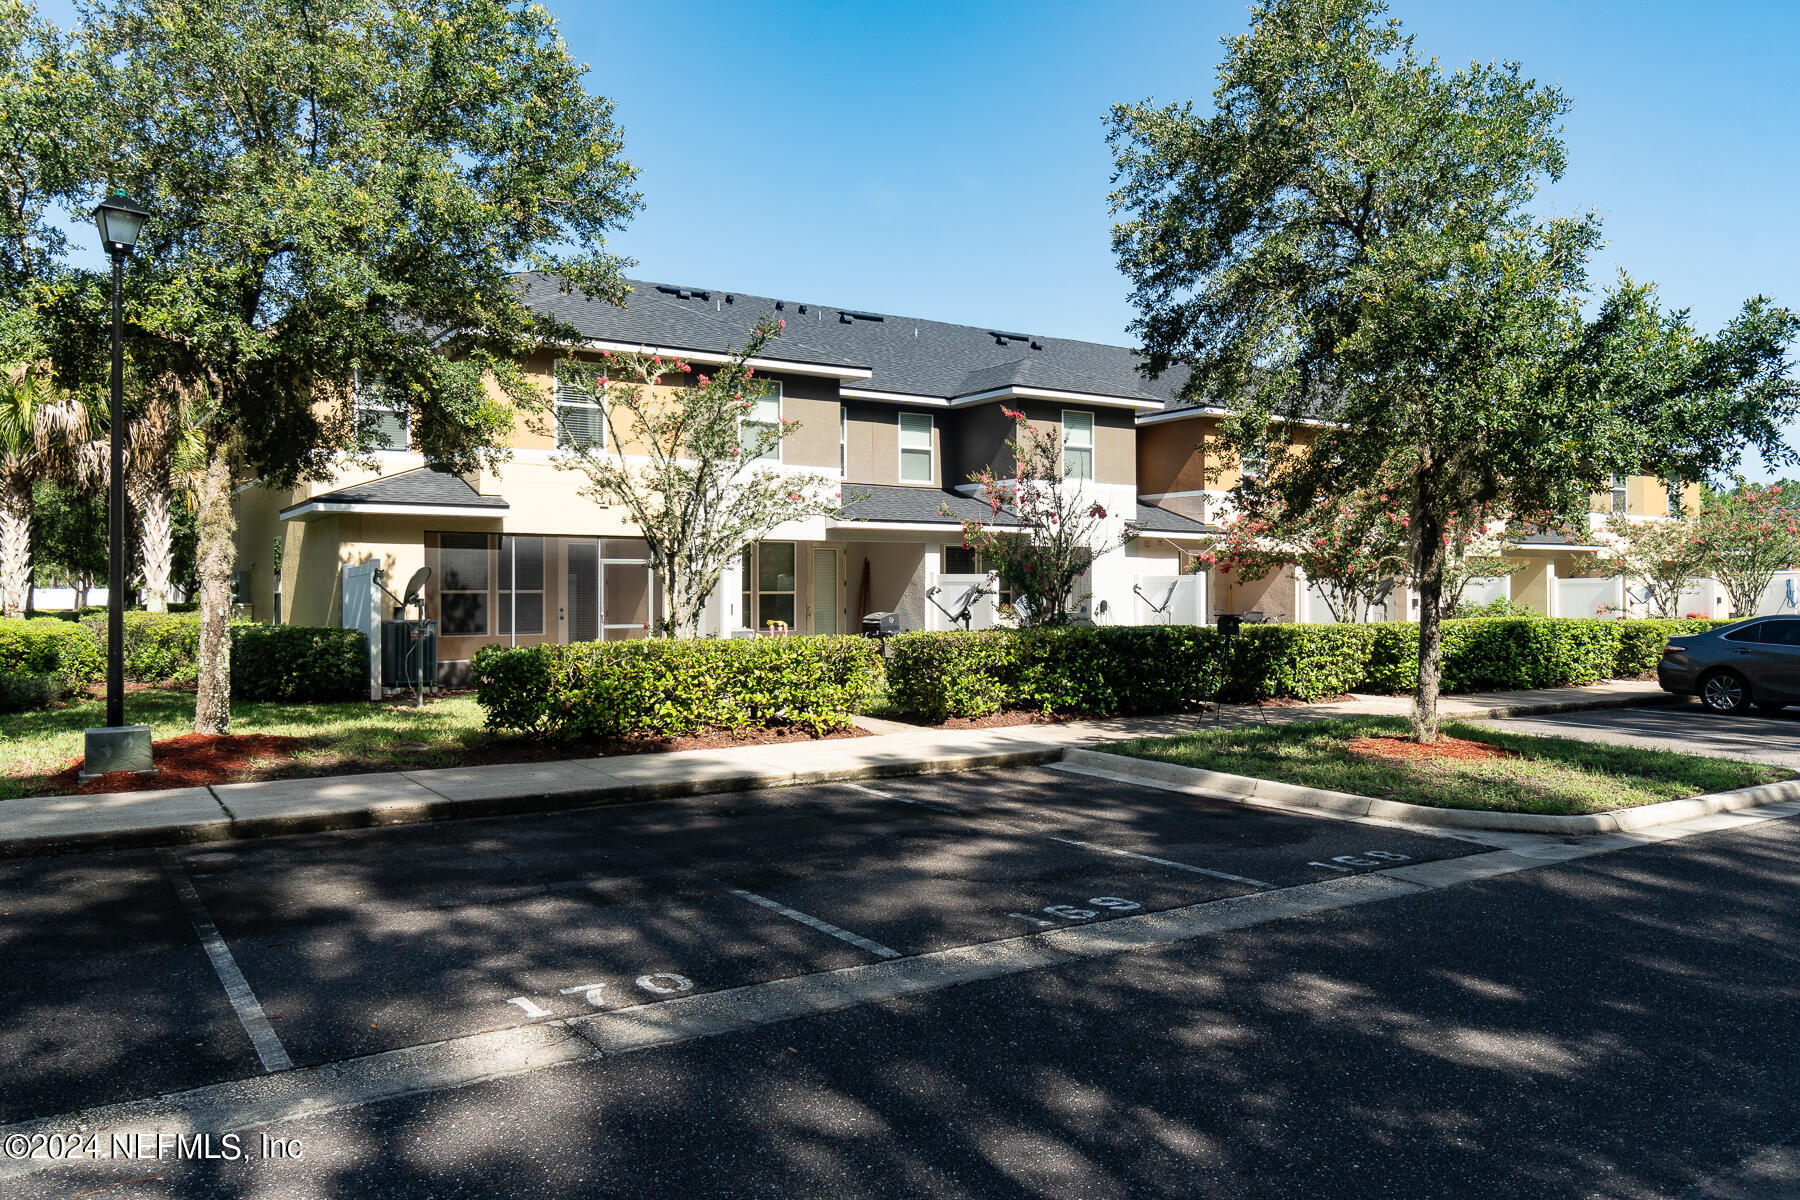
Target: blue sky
x=947, y=159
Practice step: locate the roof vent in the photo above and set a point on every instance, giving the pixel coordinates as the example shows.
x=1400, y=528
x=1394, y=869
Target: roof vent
x=1001, y=339
x=803, y=310
x=681, y=293
x=730, y=299
x=780, y=305
x=849, y=315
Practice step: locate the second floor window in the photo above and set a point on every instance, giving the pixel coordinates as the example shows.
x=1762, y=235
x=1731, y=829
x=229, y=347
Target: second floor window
x=764, y=415
x=579, y=423
x=1078, y=445
x=379, y=414
x=915, y=447
x=1619, y=495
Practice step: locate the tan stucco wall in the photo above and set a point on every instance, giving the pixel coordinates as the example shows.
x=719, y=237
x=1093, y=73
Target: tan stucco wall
x=1276, y=596
x=1190, y=455
x=1531, y=586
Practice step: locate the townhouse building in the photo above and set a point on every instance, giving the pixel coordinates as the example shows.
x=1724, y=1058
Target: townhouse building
x=899, y=411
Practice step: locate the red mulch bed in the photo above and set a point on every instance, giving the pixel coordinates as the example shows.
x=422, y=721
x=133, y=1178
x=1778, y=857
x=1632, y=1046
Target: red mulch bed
x=1446, y=747
x=191, y=760
x=999, y=720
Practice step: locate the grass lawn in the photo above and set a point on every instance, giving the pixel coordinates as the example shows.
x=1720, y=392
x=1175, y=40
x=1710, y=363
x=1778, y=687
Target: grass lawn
x=341, y=737
x=1552, y=775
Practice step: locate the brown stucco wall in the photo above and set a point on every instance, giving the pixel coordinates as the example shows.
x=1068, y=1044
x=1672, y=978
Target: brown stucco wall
x=874, y=442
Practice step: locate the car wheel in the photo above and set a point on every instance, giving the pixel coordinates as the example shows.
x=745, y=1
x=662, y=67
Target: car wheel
x=1725, y=692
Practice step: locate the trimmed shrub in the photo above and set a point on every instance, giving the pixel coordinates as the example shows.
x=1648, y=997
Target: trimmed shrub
x=1108, y=670
x=941, y=675
x=43, y=660
x=159, y=647
x=670, y=687
x=298, y=662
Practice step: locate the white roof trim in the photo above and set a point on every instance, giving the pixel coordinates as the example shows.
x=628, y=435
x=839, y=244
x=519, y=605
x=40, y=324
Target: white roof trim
x=892, y=397
x=325, y=508
x=787, y=366
x=1182, y=414
x=1035, y=393
x=947, y=525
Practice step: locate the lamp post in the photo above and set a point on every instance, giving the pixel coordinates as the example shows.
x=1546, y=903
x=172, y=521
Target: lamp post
x=118, y=746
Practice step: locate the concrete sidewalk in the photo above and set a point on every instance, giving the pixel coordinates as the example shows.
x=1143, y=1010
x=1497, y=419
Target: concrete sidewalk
x=58, y=824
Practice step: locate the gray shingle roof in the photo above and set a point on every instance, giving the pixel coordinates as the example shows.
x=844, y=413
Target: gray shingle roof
x=892, y=503
x=1152, y=519
x=421, y=487
x=1549, y=539
x=905, y=355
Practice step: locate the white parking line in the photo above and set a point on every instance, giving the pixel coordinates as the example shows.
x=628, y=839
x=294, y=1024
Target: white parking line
x=794, y=914
x=873, y=792
x=269, y=1049
x=1165, y=862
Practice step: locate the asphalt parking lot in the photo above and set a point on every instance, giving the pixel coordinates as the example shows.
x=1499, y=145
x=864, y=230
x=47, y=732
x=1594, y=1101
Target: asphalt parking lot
x=142, y=972
x=1684, y=726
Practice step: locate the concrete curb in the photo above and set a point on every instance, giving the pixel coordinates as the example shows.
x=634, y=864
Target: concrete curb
x=1268, y=793
x=1548, y=708
x=202, y=815
x=225, y=826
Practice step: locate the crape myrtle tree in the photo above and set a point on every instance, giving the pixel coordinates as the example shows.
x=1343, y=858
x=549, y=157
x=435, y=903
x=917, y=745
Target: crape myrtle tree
x=1743, y=537
x=1351, y=546
x=1662, y=558
x=336, y=186
x=697, y=476
x=1345, y=239
x=1060, y=529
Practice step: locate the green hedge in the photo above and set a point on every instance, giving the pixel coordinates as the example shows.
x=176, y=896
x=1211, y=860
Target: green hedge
x=668, y=688
x=43, y=660
x=159, y=647
x=298, y=662
x=1105, y=670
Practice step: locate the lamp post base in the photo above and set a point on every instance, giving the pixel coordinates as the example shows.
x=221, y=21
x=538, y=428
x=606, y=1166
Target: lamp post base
x=117, y=748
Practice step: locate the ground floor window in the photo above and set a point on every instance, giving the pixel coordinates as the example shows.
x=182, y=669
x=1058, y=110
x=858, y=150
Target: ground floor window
x=463, y=583
x=523, y=588
x=521, y=585
x=775, y=584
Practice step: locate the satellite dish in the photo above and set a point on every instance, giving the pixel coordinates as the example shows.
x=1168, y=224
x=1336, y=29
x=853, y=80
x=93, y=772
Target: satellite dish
x=415, y=587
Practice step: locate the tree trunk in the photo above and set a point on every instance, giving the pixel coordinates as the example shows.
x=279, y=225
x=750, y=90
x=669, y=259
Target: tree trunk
x=15, y=552
x=156, y=539
x=212, y=704
x=1429, y=570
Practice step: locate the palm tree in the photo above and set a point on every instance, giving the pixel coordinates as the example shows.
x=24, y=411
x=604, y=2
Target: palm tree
x=45, y=433
x=167, y=452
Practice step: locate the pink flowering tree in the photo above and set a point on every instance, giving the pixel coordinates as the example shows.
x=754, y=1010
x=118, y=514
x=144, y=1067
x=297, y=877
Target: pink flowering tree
x=690, y=467
x=1351, y=547
x=1743, y=538
x=1059, y=530
x=1354, y=548
x=1662, y=558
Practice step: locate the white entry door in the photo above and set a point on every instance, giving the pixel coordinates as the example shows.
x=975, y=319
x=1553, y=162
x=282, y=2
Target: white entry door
x=825, y=590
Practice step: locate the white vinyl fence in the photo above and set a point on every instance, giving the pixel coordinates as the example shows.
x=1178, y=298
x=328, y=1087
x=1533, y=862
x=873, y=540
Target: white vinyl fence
x=1586, y=597
x=1169, y=600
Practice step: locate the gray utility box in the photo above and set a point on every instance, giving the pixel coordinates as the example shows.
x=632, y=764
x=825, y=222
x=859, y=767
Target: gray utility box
x=409, y=655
